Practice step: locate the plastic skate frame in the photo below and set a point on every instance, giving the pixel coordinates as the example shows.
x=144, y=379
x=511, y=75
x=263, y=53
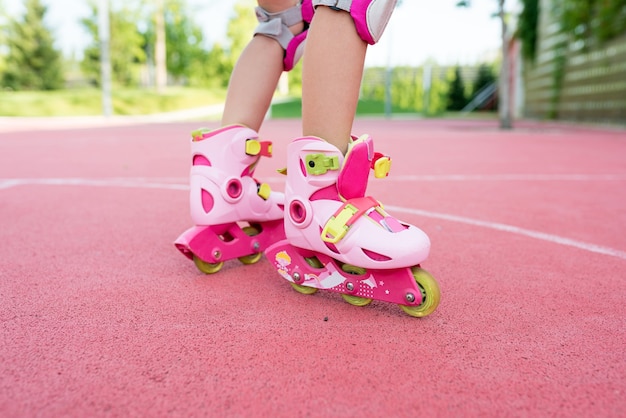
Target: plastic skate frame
x=215, y=244
x=315, y=270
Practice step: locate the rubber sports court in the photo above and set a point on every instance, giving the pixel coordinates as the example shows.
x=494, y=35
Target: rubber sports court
x=101, y=315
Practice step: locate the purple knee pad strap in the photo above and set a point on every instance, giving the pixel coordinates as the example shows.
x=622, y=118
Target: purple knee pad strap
x=276, y=26
x=370, y=16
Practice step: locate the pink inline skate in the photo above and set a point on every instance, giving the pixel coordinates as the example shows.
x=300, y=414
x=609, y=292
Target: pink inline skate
x=338, y=239
x=235, y=216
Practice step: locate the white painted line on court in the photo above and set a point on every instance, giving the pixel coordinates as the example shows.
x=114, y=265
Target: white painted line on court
x=170, y=184
x=513, y=230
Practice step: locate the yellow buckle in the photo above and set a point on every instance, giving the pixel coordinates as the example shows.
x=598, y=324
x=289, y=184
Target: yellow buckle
x=382, y=167
x=337, y=227
x=264, y=190
x=254, y=147
x=318, y=164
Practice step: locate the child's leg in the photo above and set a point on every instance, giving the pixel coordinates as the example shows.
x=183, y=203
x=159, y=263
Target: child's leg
x=256, y=74
x=331, y=77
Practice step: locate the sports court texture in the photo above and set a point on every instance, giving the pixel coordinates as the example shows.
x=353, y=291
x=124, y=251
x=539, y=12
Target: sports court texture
x=101, y=316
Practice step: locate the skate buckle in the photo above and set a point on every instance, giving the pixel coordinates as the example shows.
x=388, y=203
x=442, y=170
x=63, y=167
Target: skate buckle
x=264, y=190
x=381, y=164
x=262, y=148
x=318, y=164
x=339, y=224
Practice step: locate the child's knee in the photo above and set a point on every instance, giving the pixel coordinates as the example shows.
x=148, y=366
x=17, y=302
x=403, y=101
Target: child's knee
x=288, y=27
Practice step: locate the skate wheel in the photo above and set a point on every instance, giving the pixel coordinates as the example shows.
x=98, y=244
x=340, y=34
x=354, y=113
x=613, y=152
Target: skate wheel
x=305, y=290
x=430, y=294
x=206, y=267
x=355, y=300
x=252, y=258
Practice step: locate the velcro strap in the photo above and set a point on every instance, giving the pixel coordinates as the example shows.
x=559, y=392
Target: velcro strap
x=276, y=25
x=339, y=224
x=262, y=148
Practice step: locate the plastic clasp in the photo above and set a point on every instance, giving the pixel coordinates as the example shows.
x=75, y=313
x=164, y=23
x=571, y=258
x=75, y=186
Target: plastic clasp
x=264, y=190
x=318, y=164
x=381, y=164
x=254, y=147
x=337, y=227
x=339, y=224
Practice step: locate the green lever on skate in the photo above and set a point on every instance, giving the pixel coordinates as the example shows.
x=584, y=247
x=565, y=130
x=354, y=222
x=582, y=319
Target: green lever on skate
x=318, y=164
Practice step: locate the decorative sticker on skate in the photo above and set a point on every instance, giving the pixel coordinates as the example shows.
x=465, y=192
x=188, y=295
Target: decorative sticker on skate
x=328, y=278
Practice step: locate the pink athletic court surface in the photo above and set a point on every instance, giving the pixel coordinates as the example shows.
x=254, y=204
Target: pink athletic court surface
x=100, y=315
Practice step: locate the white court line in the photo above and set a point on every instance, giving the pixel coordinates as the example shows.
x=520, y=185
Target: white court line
x=497, y=177
x=168, y=184
x=513, y=230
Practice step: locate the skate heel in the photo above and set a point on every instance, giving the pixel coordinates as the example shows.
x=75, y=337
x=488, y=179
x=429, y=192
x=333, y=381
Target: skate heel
x=235, y=216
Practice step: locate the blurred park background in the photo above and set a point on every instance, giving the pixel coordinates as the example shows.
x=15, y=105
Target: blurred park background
x=540, y=59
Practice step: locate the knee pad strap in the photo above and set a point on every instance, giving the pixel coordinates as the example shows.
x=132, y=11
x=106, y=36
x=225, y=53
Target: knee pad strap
x=370, y=16
x=276, y=26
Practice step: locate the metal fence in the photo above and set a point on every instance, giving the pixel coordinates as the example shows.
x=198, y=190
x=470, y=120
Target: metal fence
x=575, y=80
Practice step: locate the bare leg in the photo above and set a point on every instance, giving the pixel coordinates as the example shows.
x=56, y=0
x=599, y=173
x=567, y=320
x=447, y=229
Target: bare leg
x=255, y=76
x=333, y=67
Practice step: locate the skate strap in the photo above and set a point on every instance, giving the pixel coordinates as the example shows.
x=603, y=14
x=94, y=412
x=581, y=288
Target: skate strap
x=262, y=148
x=318, y=164
x=339, y=224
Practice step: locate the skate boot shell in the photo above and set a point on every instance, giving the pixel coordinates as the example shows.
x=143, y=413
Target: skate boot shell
x=235, y=216
x=339, y=239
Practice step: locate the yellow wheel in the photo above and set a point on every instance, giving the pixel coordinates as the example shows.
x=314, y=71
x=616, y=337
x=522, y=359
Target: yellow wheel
x=355, y=300
x=252, y=258
x=206, y=267
x=305, y=290
x=430, y=294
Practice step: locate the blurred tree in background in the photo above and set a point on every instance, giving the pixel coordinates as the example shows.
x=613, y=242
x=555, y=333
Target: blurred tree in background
x=456, y=94
x=32, y=62
x=486, y=76
x=126, y=43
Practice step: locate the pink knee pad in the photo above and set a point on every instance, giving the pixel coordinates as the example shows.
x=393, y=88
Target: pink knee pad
x=276, y=26
x=370, y=16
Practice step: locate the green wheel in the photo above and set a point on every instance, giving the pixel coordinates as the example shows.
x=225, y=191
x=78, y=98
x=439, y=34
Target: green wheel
x=430, y=294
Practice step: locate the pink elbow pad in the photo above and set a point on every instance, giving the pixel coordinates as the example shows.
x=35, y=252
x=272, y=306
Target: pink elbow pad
x=370, y=16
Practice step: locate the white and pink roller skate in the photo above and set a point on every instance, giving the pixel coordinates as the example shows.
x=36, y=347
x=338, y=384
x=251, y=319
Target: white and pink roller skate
x=339, y=239
x=235, y=216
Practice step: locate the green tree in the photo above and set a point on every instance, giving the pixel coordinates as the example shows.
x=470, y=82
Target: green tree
x=215, y=68
x=239, y=31
x=484, y=78
x=32, y=61
x=126, y=46
x=456, y=92
x=185, y=55
x=528, y=27
x=504, y=107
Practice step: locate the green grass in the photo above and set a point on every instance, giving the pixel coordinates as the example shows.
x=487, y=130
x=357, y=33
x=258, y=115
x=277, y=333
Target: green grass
x=293, y=109
x=83, y=102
